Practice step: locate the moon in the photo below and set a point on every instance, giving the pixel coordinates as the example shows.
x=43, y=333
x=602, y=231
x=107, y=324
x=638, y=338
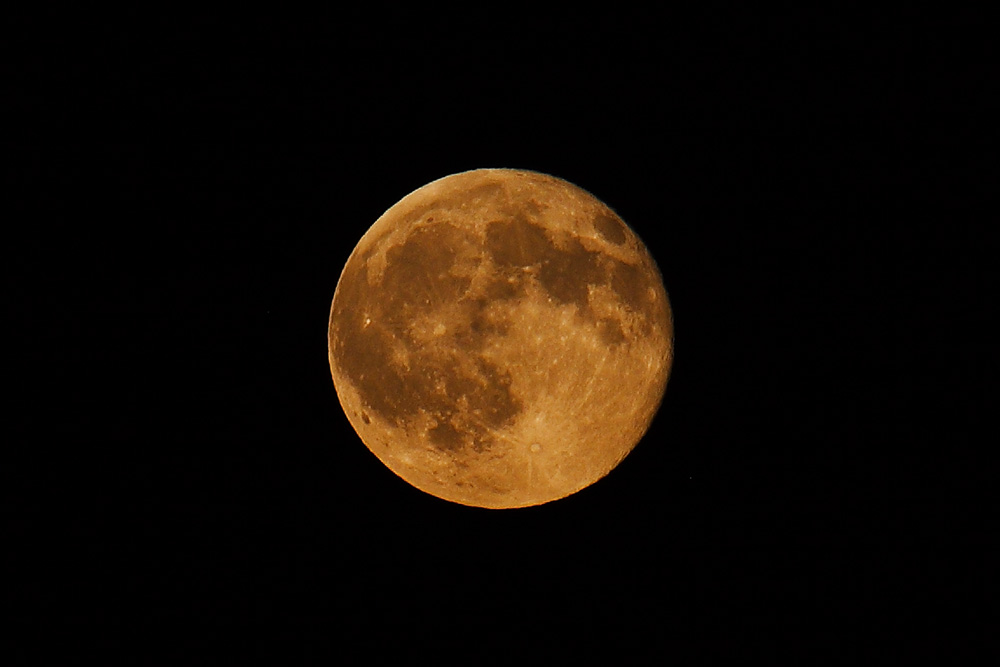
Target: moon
x=500, y=338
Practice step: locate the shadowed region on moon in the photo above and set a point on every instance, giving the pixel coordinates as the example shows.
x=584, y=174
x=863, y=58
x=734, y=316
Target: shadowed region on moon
x=452, y=323
x=398, y=376
x=564, y=273
x=609, y=227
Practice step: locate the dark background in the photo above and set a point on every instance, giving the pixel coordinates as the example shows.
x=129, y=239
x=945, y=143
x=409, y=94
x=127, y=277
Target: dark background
x=187, y=190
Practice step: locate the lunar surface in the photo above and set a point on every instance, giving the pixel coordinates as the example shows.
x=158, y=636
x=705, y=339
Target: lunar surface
x=500, y=338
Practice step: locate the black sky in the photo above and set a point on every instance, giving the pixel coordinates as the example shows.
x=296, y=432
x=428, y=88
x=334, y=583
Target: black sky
x=188, y=190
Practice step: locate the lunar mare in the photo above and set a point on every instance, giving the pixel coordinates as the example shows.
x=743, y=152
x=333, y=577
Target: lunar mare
x=500, y=338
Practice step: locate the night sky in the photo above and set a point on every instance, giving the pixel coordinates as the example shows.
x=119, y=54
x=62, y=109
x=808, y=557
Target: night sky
x=188, y=189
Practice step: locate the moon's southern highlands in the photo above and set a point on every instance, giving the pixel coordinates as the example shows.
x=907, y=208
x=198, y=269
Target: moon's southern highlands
x=500, y=338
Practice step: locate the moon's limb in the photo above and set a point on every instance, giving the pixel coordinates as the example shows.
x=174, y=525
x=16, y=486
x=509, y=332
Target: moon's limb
x=500, y=338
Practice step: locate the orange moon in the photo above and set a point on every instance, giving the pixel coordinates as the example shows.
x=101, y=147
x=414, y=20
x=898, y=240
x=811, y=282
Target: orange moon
x=500, y=338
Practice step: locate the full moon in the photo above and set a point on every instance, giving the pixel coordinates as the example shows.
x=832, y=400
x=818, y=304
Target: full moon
x=500, y=338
